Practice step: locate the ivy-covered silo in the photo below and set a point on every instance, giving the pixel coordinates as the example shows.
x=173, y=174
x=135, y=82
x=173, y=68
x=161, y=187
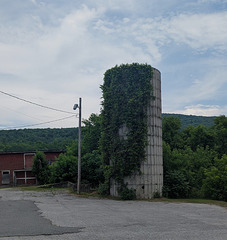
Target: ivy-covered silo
x=131, y=139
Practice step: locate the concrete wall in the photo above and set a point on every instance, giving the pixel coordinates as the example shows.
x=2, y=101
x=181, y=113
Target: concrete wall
x=151, y=180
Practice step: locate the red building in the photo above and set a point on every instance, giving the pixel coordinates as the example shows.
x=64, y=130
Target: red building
x=16, y=167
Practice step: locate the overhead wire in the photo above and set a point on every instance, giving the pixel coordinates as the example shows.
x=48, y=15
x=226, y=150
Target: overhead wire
x=36, y=124
x=37, y=104
x=18, y=112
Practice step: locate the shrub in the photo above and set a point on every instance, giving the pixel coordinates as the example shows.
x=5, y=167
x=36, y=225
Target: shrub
x=104, y=189
x=215, y=183
x=126, y=193
x=175, y=185
x=40, y=168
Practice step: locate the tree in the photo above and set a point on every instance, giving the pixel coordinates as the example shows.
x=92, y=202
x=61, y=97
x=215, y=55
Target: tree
x=64, y=169
x=220, y=128
x=198, y=136
x=37, y=139
x=40, y=168
x=215, y=183
x=175, y=185
x=91, y=133
x=184, y=170
x=171, y=131
x=91, y=168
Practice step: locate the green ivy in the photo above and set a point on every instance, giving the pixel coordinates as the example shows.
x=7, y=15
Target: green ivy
x=127, y=91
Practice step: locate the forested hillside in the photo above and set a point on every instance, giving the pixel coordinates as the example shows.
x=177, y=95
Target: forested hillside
x=187, y=120
x=194, y=158
x=58, y=139
x=37, y=139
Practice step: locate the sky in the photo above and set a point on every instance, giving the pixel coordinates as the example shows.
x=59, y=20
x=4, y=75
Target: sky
x=53, y=52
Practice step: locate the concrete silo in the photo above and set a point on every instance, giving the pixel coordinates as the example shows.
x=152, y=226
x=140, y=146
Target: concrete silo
x=149, y=182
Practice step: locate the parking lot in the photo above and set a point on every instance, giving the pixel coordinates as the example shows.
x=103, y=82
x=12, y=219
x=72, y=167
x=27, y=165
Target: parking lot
x=61, y=215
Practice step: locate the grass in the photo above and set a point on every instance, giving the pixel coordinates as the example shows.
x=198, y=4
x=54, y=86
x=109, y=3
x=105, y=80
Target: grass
x=198, y=201
x=193, y=200
x=41, y=188
x=97, y=195
x=167, y=200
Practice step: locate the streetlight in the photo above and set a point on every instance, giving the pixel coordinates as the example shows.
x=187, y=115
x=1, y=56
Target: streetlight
x=79, y=146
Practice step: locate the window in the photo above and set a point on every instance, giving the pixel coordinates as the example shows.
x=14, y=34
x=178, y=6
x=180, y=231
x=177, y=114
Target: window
x=5, y=177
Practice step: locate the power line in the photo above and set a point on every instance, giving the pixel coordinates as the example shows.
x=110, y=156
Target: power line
x=39, y=105
x=17, y=112
x=32, y=125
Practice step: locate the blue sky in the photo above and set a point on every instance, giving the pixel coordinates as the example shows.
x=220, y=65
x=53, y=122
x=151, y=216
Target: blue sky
x=54, y=51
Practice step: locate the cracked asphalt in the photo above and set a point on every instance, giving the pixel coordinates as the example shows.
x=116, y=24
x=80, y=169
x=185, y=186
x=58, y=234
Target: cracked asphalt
x=60, y=215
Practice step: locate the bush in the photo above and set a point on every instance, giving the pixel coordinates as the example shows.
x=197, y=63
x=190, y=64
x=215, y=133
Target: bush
x=104, y=189
x=127, y=194
x=156, y=194
x=40, y=168
x=215, y=183
x=175, y=185
x=64, y=169
x=91, y=168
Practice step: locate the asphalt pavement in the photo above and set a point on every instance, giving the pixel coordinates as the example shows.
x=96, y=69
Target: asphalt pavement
x=61, y=215
x=22, y=218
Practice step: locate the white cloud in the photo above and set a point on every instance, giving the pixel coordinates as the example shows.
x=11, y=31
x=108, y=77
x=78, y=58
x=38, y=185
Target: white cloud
x=199, y=31
x=62, y=64
x=34, y=2
x=208, y=87
x=203, y=110
x=55, y=60
x=212, y=1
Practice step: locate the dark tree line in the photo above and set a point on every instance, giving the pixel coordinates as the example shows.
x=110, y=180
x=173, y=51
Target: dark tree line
x=192, y=120
x=65, y=168
x=59, y=138
x=37, y=139
x=195, y=157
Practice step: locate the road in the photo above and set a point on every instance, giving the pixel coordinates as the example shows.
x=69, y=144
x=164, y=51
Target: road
x=60, y=215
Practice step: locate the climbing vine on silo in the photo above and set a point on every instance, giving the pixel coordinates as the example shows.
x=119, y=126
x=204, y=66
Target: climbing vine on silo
x=126, y=95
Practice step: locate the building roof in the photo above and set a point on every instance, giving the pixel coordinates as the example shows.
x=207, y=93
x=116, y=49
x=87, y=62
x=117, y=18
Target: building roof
x=23, y=152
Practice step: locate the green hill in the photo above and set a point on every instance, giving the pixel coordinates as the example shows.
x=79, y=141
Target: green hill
x=37, y=139
x=187, y=120
x=58, y=138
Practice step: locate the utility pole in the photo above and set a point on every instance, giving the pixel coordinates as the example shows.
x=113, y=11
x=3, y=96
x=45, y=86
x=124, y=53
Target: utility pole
x=79, y=146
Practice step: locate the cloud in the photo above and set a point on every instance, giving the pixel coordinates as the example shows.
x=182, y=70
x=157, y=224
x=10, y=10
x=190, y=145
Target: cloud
x=203, y=110
x=199, y=31
x=212, y=1
x=209, y=87
x=62, y=64
x=34, y=2
x=84, y=34
x=55, y=53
